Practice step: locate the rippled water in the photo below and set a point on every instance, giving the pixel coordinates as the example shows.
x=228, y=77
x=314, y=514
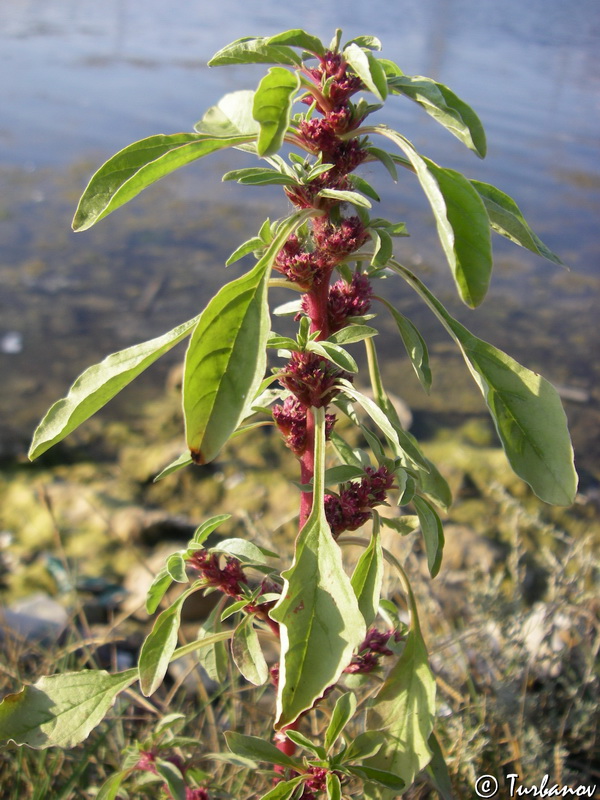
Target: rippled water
x=81, y=79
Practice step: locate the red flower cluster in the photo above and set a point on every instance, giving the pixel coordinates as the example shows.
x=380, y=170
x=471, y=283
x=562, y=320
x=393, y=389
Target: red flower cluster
x=353, y=506
x=332, y=75
x=290, y=418
x=371, y=650
x=301, y=266
x=311, y=379
x=348, y=300
x=227, y=579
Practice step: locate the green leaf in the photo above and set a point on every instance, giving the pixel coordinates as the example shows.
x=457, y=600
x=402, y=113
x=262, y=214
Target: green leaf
x=342, y=714
x=388, y=779
x=250, y=246
x=333, y=352
x=283, y=790
x=368, y=69
x=226, y=357
x=245, y=551
x=460, y=216
x=367, y=577
x=204, y=530
x=404, y=710
x=258, y=749
x=352, y=456
x=526, y=409
x=506, y=219
x=370, y=42
x=159, y=646
x=139, y=165
x=303, y=741
x=342, y=473
x=184, y=460
x=272, y=108
x=158, y=588
x=334, y=787
x=364, y=186
x=176, y=567
x=247, y=653
x=258, y=176
x=299, y=38
x=438, y=771
x=172, y=777
x=110, y=788
x=415, y=346
x=364, y=745
x=352, y=333
x=445, y=107
x=433, y=533
x=253, y=50
x=384, y=248
x=472, y=265
x=346, y=197
x=403, y=525
x=99, y=384
x=231, y=117
x=320, y=621
x=214, y=657
x=61, y=710
x=386, y=160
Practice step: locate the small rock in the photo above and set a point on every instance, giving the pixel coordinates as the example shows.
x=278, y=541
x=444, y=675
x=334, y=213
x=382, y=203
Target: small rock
x=35, y=618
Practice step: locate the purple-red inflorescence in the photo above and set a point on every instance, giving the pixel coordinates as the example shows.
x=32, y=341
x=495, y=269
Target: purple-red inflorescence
x=348, y=300
x=311, y=379
x=356, y=499
x=370, y=651
x=290, y=418
x=227, y=579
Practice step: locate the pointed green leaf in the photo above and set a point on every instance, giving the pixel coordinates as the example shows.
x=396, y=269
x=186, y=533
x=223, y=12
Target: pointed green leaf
x=157, y=590
x=433, y=534
x=258, y=176
x=438, y=771
x=368, y=69
x=99, y=384
x=342, y=714
x=320, y=622
x=272, y=108
x=172, y=777
x=299, y=38
x=139, y=165
x=247, y=653
x=214, y=657
x=367, y=577
x=404, y=710
x=253, y=50
x=231, y=117
x=246, y=552
x=526, y=409
x=346, y=197
x=388, y=779
x=445, y=107
x=415, y=346
x=460, y=216
x=472, y=265
x=506, y=219
x=352, y=333
x=257, y=749
x=333, y=786
x=303, y=741
x=250, y=246
x=364, y=186
x=184, y=460
x=226, y=357
x=370, y=42
x=110, y=788
x=282, y=790
x=333, y=352
x=176, y=567
x=403, y=525
x=61, y=710
x=364, y=745
x=159, y=646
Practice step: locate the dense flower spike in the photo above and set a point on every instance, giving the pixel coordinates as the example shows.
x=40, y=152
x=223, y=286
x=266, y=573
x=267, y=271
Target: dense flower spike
x=311, y=379
x=356, y=499
x=371, y=650
x=348, y=300
x=227, y=579
x=290, y=417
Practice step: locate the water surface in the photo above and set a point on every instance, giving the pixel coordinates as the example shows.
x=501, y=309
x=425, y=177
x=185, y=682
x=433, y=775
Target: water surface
x=83, y=79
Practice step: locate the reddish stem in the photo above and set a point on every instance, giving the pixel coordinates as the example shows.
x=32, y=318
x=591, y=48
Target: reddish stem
x=307, y=468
